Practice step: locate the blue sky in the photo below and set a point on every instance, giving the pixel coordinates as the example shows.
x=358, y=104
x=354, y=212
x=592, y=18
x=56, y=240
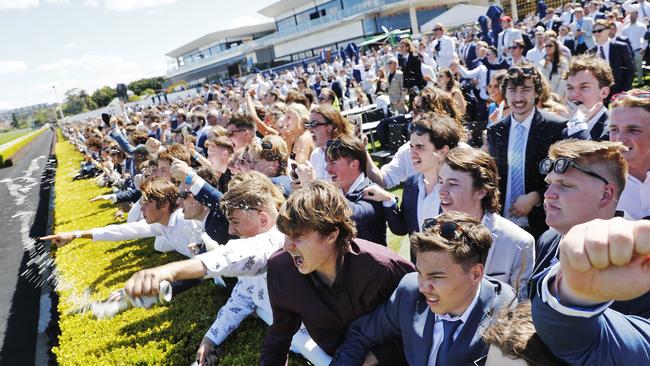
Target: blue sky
x=91, y=43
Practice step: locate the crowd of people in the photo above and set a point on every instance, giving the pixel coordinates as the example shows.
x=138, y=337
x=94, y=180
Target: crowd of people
x=526, y=193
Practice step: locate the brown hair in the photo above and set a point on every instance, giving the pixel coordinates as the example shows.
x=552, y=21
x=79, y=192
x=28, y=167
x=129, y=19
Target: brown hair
x=320, y=207
x=517, y=76
x=605, y=154
x=178, y=151
x=347, y=147
x=251, y=191
x=333, y=117
x=434, y=99
x=483, y=169
x=241, y=121
x=442, y=129
x=513, y=332
x=598, y=67
x=632, y=99
x=209, y=175
x=468, y=248
x=161, y=192
x=273, y=148
x=222, y=142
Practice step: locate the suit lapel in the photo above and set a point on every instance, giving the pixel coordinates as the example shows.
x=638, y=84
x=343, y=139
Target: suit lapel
x=598, y=129
x=490, y=223
x=423, y=325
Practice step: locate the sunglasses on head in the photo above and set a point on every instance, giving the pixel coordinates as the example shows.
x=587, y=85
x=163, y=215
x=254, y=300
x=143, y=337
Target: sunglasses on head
x=448, y=230
x=561, y=165
x=184, y=194
x=521, y=70
x=418, y=129
x=334, y=144
x=633, y=93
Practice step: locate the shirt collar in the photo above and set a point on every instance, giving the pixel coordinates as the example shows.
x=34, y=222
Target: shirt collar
x=175, y=217
x=526, y=123
x=463, y=317
x=356, y=183
x=592, y=122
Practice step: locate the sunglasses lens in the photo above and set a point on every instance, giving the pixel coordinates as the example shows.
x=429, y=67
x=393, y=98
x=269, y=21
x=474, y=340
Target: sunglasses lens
x=448, y=230
x=545, y=166
x=561, y=165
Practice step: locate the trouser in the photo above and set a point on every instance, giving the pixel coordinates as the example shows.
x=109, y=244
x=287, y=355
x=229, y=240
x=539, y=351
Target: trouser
x=638, y=64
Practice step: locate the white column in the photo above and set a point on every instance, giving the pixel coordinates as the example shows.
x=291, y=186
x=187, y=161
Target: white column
x=414, y=19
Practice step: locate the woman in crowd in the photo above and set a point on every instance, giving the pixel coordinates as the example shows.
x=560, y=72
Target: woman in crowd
x=292, y=128
x=448, y=83
x=553, y=67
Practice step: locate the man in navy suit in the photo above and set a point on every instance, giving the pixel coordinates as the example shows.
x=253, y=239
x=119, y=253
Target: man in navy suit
x=346, y=163
x=519, y=143
x=602, y=261
x=440, y=312
x=588, y=189
x=617, y=54
x=588, y=86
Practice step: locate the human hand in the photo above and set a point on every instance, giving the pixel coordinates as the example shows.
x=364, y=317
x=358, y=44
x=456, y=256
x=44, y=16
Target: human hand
x=152, y=146
x=371, y=360
x=60, y=239
x=305, y=172
x=605, y=260
x=207, y=355
x=523, y=205
x=195, y=248
x=180, y=169
x=375, y=193
x=102, y=197
x=147, y=282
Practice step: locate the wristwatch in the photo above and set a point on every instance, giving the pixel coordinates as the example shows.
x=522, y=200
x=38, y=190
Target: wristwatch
x=188, y=178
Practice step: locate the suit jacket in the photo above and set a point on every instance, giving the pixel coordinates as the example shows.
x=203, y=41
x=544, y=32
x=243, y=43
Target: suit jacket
x=396, y=91
x=587, y=27
x=412, y=69
x=368, y=215
x=599, y=132
x=622, y=63
x=607, y=338
x=403, y=220
x=406, y=314
x=545, y=129
x=571, y=45
x=512, y=255
x=470, y=57
x=216, y=225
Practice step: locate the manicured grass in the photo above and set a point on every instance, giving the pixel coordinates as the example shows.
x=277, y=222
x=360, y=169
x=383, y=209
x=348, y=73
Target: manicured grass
x=11, y=135
x=7, y=153
x=163, y=335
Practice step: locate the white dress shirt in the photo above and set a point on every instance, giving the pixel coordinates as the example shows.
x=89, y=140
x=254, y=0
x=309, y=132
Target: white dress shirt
x=446, y=53
x=635, y=198
x=242, y=257
x=317, y=160
x=521, y=221
x=636, y=32
x=554, y=303
x=175, y=236
x=439, y=331
x=399, y=168
x=479, y=74
x=605, y=47
x=644, y=12
x=535, y=55
x=428, y=204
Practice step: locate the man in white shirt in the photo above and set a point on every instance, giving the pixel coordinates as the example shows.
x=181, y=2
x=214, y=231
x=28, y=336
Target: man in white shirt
x=507, y=37
x=458, y=298
x=442, y=47
x=642, y=8
x=162, y=220
x=635, y=32
x=537, y=53
x=630, y=124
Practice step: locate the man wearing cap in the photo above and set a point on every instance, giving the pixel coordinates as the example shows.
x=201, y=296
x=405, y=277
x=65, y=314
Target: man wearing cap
x=582, y=27
x=507, y=37
x=396, y=90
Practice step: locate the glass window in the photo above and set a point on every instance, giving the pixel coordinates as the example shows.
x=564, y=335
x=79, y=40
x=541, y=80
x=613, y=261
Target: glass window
x=286, y=23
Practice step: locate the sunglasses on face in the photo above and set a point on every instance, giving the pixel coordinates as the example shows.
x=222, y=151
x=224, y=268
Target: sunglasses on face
x=314, y=124
x=233, y=132
x=549, y=46
x=448, y=230
x=437, y=29
x=561, y=165
x=596, y=31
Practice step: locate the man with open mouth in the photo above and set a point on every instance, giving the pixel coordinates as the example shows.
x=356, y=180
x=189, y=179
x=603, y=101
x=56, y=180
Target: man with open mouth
x=325, y=277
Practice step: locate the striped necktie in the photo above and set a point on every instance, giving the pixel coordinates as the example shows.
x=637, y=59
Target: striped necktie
x=518, y=155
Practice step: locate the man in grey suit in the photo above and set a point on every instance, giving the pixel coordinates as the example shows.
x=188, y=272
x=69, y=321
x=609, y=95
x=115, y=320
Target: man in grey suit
x=440, y=312
x=396, y=90
x=468, y=183
x=582, y=28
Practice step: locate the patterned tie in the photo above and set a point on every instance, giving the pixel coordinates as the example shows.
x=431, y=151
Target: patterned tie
x=602, y=53
x=447, y=341
x=517, y=164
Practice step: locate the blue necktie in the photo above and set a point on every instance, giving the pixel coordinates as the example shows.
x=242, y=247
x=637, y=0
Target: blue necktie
x=442, y=358
x=517, y=164
x=602, y=53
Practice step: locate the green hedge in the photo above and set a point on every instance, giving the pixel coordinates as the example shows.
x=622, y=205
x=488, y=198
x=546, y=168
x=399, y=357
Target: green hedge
x=8, y=153
x=165, y=335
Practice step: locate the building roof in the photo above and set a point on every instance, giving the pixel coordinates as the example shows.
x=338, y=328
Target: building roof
x=219, y=35
x=280, y=7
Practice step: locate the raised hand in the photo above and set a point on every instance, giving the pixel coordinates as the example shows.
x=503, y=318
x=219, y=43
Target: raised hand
x=147, y=282
x=60, y=239
x=605, y=260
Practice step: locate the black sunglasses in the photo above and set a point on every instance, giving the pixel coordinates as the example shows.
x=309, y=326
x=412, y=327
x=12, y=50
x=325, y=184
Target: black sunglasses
x=184, y=194
x=437, y=29
x=334, y=144
x=314, y=124
x=232, y=133
x=523, y=70
x=561, y=165
x=599, y=30
x=418, y=129
x=450, y=231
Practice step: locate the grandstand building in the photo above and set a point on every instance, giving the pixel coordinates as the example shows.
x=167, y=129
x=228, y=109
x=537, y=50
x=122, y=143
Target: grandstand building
x=299, y=30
